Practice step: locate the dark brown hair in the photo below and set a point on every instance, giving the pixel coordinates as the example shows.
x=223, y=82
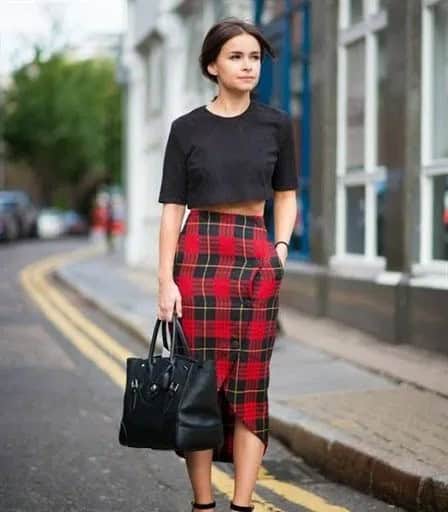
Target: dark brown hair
x=220, y=33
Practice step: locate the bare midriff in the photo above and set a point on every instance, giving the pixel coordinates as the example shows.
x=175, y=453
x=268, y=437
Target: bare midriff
x=244, y=208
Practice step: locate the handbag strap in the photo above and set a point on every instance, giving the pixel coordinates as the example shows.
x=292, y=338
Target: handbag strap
x=177, y=328
x=164, y=336
x=177, y=335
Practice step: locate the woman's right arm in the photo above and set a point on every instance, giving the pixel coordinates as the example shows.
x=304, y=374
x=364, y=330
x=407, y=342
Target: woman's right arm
x=169, y=294
x=173, y=193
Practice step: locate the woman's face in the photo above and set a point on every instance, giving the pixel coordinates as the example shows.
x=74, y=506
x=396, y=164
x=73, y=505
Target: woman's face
x=238, y=63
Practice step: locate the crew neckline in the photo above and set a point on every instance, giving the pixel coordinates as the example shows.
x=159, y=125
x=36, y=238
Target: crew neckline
x=212, y=114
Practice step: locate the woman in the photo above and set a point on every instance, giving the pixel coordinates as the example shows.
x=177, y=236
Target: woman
x=220, y=272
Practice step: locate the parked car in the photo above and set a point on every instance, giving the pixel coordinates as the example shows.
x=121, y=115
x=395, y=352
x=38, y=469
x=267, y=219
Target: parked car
x=50, y=223
x=25, y=212
x=75, y=223
x=9, y=228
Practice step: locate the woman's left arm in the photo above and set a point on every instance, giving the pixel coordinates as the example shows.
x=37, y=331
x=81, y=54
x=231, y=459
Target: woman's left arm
x=285, y=214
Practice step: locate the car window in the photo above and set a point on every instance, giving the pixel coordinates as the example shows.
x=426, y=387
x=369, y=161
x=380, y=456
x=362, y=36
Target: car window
x=7, y=205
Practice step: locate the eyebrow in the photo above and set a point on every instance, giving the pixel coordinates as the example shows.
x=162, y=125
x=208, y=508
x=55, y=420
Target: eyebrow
x=237, y=51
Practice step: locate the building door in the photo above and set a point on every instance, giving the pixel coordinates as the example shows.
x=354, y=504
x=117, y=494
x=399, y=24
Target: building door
x=285, y=83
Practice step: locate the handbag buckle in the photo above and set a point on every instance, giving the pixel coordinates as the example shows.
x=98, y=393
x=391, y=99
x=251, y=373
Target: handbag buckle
x=174, y=386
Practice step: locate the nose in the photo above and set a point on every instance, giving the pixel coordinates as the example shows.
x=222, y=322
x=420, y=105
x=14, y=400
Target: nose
x=247, y=64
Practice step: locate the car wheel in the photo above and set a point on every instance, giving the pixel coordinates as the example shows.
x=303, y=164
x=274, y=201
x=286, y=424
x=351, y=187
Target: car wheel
x=33, y=230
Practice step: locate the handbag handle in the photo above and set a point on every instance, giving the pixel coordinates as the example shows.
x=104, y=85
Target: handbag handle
x=176, y=328
x=164, y=337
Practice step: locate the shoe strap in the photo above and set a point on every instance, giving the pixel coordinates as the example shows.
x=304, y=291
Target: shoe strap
x=240, y=508
x=204, y=506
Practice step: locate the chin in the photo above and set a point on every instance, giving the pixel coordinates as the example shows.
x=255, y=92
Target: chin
x=242, y=88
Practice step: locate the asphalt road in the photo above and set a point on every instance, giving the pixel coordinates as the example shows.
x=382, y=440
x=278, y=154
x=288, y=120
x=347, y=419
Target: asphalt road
x=60, y=414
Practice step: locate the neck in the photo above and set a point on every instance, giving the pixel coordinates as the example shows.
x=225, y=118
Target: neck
x=231, y=105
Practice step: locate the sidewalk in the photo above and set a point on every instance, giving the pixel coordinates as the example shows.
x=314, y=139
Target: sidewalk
x=368, y=414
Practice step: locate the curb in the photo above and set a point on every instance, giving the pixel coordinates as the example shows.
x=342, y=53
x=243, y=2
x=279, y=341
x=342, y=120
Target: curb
x=114, y=314
x=340, y=460
x=321, y=446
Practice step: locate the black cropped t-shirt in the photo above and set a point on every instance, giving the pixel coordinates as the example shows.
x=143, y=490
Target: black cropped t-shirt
x=211, y=159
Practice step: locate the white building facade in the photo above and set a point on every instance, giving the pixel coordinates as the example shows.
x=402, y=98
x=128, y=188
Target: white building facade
x=378, y=158
x=161, y=62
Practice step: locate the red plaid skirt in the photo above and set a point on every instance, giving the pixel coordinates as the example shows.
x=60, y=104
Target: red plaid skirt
x=229, y=275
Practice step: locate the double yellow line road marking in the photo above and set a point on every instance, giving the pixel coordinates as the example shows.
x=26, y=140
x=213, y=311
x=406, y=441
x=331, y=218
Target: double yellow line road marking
x=110, y=356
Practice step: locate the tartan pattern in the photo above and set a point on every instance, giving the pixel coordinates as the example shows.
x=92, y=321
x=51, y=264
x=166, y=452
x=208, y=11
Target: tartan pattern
x=229, y=275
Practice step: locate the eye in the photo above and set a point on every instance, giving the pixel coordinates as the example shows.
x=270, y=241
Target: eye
x=232, y=56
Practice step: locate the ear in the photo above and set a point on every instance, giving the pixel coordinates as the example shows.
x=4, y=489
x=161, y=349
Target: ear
x=211, y=68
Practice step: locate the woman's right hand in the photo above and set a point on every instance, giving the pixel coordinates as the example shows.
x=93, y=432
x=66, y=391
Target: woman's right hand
x=169, y=299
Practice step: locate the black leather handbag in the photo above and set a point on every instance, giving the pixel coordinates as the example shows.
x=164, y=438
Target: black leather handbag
x=171, y=402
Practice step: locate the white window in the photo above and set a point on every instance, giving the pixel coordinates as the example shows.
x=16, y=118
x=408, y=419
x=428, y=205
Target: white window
x=434, y=175
x=361, y=175
x=194, y=29
x=154, y=78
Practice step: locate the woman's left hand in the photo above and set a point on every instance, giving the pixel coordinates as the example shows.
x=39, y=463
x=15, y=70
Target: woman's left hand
x=282, y=252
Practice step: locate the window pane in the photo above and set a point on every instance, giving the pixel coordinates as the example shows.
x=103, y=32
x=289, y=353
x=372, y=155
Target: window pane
x=381, y=85
x=355, y=106
x=440, y=218
x=355, y=219
x=440, y=89
x=193, y=29
x=154, y=80
x=356, y=11
x=380, y=217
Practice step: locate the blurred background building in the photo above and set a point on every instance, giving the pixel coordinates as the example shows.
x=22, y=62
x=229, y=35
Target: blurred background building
x=366, y=85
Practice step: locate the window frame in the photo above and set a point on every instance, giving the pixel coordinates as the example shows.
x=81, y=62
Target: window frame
x=430, y=167
x=374, y=20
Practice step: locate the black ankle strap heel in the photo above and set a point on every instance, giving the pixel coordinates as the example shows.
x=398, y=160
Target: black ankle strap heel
x=203, y=506
x=240, y=508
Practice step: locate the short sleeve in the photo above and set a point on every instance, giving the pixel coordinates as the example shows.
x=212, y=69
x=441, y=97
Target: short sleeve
x=173, y=188
x=285, y=176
